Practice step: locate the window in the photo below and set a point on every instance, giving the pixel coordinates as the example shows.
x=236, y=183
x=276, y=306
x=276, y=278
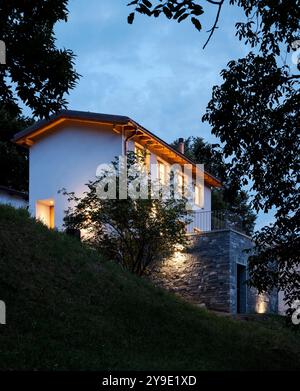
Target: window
x=139, y=153
x=198, y=196
x=143, y=156
x=162, y=173
x=180, y=183
x=45, y=212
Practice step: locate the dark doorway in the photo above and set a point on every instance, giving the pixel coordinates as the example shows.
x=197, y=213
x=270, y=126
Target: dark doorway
x=241, y=289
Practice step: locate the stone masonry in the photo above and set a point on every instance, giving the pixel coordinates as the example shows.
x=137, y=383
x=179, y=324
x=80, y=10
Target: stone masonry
x=206, y=273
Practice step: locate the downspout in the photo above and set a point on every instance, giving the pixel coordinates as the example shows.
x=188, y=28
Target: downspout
x=129, y=138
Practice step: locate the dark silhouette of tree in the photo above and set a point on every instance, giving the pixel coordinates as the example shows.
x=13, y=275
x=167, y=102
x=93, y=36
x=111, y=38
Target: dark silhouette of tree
x=269, y=22
x=255, y=114
x=261, y=134
x=14, y=171
x=36, y=72
x=37, y=75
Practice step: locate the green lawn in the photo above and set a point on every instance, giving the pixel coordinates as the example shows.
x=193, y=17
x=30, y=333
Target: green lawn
x=68, y=309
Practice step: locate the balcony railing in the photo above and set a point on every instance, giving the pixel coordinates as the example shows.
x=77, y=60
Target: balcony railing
x=204, y=221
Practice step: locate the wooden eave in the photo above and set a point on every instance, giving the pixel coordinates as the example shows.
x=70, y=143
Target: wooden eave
x=141, y=135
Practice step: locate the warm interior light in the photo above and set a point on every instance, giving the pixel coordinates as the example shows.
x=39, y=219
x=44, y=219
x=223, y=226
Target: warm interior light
x=45, y=212
x=162, y=173
x=261, y=304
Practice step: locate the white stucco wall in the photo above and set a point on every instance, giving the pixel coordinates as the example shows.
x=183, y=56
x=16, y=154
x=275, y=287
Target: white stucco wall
x=13, y=200
x=68, y=158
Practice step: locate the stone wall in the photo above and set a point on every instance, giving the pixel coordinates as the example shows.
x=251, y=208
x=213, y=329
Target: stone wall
x=206, y=273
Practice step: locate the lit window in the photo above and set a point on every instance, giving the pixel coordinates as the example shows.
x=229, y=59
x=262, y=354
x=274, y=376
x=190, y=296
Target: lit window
x=139, y=153
x=197, y=195
x=45, y=212
x=180, y=183
x=147, y=161
x=143, y=157
x=162, y=173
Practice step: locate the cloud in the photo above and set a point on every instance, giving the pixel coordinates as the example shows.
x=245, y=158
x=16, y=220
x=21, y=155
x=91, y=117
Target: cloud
x=154, y=71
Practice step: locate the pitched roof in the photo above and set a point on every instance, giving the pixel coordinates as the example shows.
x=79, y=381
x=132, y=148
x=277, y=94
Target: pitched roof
x=72, y=114
x=28, y=135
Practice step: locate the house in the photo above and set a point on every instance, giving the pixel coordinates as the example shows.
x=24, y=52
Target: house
x=65, y=152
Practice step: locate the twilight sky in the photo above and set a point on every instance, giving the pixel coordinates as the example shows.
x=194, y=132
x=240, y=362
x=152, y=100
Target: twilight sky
x=154, y=71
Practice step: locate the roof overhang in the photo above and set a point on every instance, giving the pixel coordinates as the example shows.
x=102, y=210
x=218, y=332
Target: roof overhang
x=120, y=124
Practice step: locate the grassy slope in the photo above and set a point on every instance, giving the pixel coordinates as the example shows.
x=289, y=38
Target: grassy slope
x=67, y=309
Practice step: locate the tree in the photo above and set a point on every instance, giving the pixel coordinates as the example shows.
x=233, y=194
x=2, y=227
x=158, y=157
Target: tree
x=37, y=75
x=269, y=23
x=196, y=149
x=263, y=131
x=231, y=197
x=13, y=158
x=36, y=72
x=135, y=232
x=255, y=113
x=14, y=166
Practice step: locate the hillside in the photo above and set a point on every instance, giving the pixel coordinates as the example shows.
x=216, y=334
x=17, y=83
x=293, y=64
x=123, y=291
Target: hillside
x=68, y=309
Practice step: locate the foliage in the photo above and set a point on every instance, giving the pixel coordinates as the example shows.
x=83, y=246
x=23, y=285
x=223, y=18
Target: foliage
x=37, y=73
x=196, y=149
x=171, y=9
x=68, y=309
x=260, y=102
x=174, y=9
x=133, y=232
x=10, y=124
x=14, y=166
x=13, y=158
x=230, y=197
x=255, y=113
x=269, y=22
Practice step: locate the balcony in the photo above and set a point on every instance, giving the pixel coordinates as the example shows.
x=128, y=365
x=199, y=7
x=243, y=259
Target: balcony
x=205, y=221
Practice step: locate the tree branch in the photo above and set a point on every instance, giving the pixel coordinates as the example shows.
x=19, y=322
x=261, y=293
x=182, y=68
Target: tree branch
x=214, y=2
x=212, y=30
x=293, y=77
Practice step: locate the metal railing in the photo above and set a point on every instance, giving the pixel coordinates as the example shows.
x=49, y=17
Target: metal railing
x=203, y=221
